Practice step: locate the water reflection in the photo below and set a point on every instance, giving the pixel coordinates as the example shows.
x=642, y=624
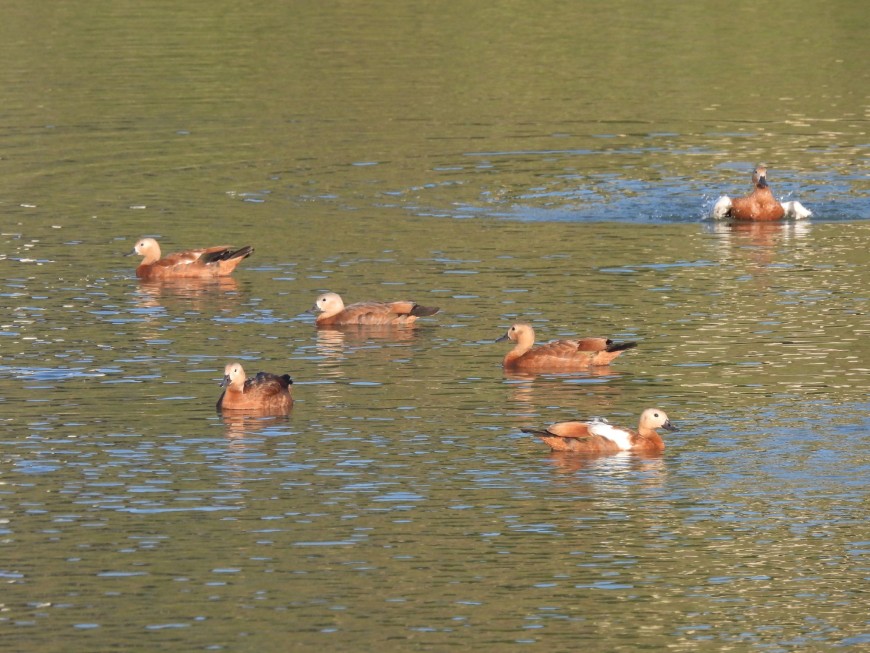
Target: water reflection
x=762, y=234
x=751, y=539
x=335, y=343
x=650, y=467
x=330, y=347
x=359, y=333
x=591, y=373
x=157, y=300
x=241, y=423
x=201, y=293
x=531, y=392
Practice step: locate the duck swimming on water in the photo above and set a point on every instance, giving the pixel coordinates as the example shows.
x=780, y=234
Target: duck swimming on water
x=204, y=263
x=597, y=436
x=331, y=311
x=559, y=355
x=264, y=392
x=760, y=204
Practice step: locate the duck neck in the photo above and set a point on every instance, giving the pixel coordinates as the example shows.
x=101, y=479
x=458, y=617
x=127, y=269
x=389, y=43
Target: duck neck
x=649, y=439
x=525, y=341
x=524, y=344
x=511, y=357
x=152, y=253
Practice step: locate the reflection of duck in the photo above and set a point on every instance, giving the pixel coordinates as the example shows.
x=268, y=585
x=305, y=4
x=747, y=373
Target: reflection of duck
x=559, y=355
x=651, y=463
x=554, y=388
x=599, y=437
x=360, y=333
x=334, y=343
x=240, y=423
x=331, y=311
x=203, y=263
x=526, y=375
x=760, y=204
x=153, y=295
x=330, y=345
x=188, y=287
x=766, y=234
x=264, y=393
x=757, y=241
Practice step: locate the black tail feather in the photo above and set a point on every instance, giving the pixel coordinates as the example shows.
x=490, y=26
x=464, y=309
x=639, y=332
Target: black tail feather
x=227, y=254
x=242, y=252
x=424, y=311
x=620, y=346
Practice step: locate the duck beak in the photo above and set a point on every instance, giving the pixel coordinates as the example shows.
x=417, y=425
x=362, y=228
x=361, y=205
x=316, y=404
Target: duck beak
x=669, y=427
x=502, y=339
x=762, y=182
x=225, y=381
x=314, y=310
x=131, y=253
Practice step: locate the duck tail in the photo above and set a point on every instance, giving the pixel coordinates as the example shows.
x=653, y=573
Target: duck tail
x=424, y=311
x=242, y=252
x=227, y=254
x=620, y=346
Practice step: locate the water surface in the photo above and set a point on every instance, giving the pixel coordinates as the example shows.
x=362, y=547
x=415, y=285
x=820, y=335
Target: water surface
x=544, y=163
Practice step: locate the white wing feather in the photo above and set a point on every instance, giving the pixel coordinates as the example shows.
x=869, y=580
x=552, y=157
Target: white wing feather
x=796, y=210
x=721, y=208
x=618, y=436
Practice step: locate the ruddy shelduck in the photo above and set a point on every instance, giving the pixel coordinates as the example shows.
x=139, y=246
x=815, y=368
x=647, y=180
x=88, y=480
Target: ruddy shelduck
x=265, y=392
x=205, y=263
x=331, y=311
x=559, y=355
x=597, y=436
x=760, y=204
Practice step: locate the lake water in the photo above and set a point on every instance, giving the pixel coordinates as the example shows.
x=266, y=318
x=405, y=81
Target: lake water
x=544, y=162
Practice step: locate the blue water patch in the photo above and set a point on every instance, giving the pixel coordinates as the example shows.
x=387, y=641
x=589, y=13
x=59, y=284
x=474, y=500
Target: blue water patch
x=617, y=197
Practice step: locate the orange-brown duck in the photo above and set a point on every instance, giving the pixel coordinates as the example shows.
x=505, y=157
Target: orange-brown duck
x=599, y=437
x=265, y=392
x=559, y=355
x=331, y=311
x=760, y=204
x=208, y=262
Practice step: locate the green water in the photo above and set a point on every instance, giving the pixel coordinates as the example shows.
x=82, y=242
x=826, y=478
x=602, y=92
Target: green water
x=545, y=162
